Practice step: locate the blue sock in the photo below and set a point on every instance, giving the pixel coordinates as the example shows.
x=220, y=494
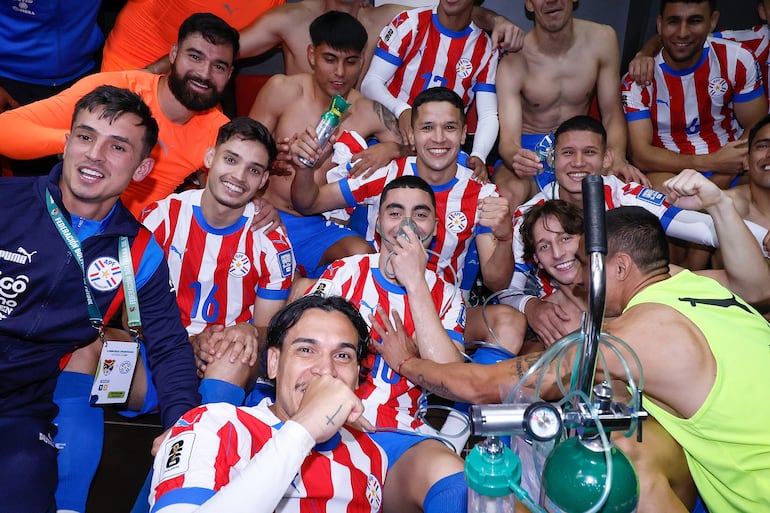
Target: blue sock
x=218, y=391
x=447, y=495
x=80, y=439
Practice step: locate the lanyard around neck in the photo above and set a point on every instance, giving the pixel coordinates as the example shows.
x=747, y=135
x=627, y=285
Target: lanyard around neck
x=126, y=269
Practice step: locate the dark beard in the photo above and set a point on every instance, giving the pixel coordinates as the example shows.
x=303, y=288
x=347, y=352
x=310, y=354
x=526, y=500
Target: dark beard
x=190, y=99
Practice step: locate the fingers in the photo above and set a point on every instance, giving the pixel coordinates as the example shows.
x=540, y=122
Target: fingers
x=526, y=163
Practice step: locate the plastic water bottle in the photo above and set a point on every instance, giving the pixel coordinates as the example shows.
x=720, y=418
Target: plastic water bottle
x=490, y=468
x=328, y=123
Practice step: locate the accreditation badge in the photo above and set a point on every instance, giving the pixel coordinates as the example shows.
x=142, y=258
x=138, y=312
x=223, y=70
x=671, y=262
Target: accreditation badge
x=115, y=372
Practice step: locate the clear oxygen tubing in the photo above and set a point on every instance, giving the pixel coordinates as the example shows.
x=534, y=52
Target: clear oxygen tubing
x=409, y=222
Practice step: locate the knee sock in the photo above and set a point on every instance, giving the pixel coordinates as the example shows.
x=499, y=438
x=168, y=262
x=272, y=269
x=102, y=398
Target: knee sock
x=447, y=495
x=218, y=391
x=79, y=439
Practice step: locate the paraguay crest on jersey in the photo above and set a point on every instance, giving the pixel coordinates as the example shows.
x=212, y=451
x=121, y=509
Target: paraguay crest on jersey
x=240, y=265
x=104, y=274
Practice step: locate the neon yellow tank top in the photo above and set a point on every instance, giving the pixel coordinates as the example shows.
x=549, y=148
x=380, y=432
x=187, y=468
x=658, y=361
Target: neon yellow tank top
x=727, y=441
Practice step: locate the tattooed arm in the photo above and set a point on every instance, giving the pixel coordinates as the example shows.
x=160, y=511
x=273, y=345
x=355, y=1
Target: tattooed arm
x=383, y=126
x=468, y=382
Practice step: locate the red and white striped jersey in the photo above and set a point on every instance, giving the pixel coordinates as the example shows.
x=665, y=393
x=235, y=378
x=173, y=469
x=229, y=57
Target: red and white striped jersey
x=210, y=446
x=218, y=272
x=456, y=210
x=757, y=41
x=430, y=55
x=390, y=400
x=692, y=110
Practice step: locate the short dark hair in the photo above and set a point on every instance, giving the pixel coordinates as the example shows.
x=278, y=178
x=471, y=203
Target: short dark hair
x=114, y=102
x=248, y=129
x=409, y=182
x=339, y=30
x=212, y=28
x=756, y=128
x=638, y=233
x=570, y=217
x=712, y=3
x=290, y=315
x=580, y=124
x=438, y=94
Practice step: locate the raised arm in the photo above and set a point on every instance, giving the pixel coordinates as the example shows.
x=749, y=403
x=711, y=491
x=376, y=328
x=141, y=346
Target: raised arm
x=745, y=272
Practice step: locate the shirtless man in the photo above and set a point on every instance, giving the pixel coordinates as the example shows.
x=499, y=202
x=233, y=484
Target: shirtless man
x=752, y=201
x=284, y=26
x=287, y=103
x=705, y=92
x=563, y=61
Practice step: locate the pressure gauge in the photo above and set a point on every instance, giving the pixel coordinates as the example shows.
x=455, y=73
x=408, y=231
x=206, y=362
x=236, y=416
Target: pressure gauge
x=542, y=421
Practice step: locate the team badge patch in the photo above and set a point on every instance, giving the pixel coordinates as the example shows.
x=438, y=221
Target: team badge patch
x=456, y=222
x=464, y=68
x=717, y=86
x=651, y=196
x=374, y=493
x=286, y=260
x=240, y=265
x=104, y=274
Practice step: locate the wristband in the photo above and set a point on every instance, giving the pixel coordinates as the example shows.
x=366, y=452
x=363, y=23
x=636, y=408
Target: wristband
x=398, y=369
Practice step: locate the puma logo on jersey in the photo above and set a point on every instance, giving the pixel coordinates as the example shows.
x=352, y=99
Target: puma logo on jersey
x=722, y=303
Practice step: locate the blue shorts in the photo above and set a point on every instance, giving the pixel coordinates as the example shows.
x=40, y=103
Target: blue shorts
x=310, y=237
x=396, y=443
x=533, y=142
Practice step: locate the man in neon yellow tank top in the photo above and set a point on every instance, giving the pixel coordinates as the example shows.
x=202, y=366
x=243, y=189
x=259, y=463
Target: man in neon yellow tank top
x=706, y=379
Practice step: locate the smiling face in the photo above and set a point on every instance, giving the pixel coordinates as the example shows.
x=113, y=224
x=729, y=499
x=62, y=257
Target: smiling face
x=335, y=71
x=237, y=170
x=551, y=15
x=683, y=28
x=578, y=153
x=759, y=159
x=555, y=250
x=199, y=72
x=101, y=157
x=319, y=343
x=439, y=132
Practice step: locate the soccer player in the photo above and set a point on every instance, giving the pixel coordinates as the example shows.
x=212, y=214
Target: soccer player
x=288, y=104
x=293, y=453
x=60, y=265
x=564, y=63
x=432, y=47
x=580, y=149
x=468, y=210
x=230, y=280
x=704, y=93
x=184, y=102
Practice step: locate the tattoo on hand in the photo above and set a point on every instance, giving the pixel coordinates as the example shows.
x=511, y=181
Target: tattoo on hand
x=330, y=419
